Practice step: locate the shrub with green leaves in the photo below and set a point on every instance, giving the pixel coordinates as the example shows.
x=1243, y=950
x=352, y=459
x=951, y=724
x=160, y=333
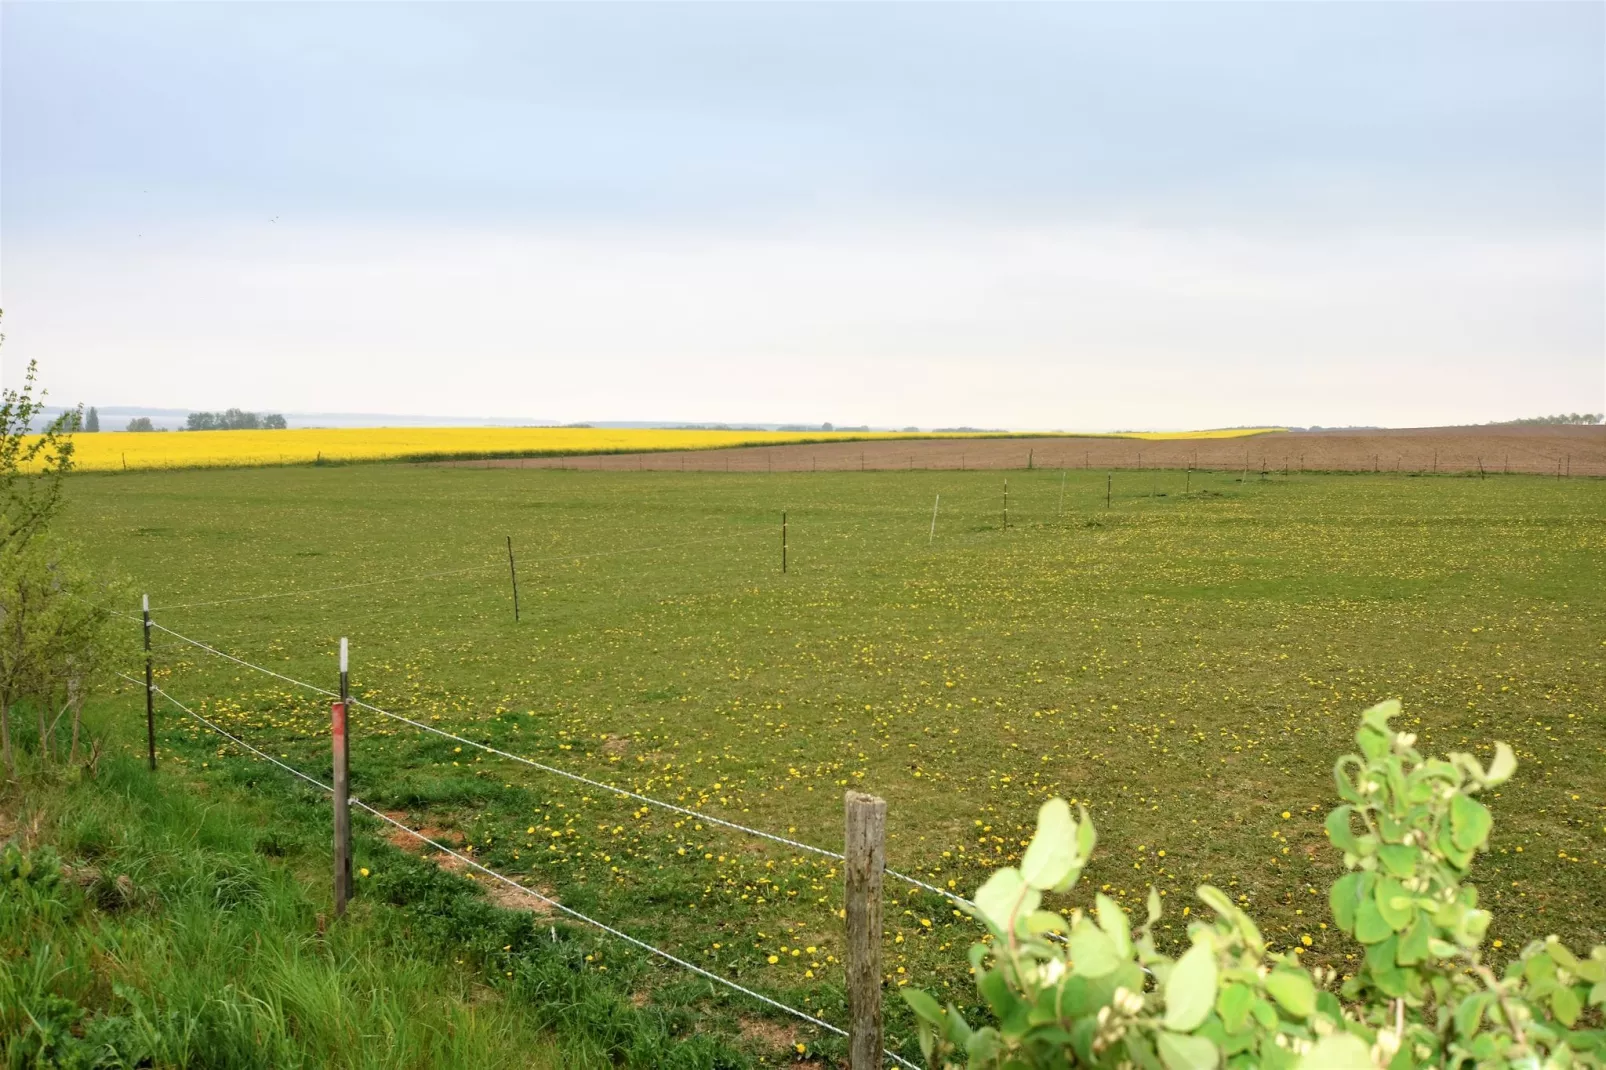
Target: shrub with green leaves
x=1095, y=991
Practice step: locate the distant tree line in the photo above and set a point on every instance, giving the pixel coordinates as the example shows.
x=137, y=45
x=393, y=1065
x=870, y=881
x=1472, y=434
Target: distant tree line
x=88, y=420
x=1590, y=418
x=233, y=420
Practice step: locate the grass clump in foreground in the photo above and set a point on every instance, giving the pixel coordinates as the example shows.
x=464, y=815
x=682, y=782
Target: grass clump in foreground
x=148, y=922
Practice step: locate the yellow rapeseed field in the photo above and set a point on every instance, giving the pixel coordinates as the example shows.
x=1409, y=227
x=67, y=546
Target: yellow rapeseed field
x=104, y=451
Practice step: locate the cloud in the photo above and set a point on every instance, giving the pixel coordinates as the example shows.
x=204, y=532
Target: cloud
x=1058, y=325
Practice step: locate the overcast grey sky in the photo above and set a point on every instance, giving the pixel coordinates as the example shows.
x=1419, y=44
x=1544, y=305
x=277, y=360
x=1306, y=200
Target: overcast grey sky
x=1072, y=216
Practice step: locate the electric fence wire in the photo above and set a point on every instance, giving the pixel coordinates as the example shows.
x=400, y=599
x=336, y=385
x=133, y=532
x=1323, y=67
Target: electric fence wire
x=511, y=883
x=577, y=777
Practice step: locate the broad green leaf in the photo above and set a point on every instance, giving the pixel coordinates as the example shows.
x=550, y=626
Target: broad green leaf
x=1380, y=962
x=922, y=1004
x=1398, y=859
x=1469, y=822
x=1369, y=924
x=1346, y=787
x=984, y=1044
x=1445, y=840
x=1265, y=1014
x=1271, y=1057
x=1233, y=1005
x=1504, y=764
x=1181, y=1052
x=1414, y=944
x=1394, y=903
x=1216, y=900
x=1051, y=855
x=1086, y=838
x=1339, y=830
x=1113, y=920
x=1046, y=921
x=1003, y=895
x=1137, y=1047
x=1082, y=1036
x=1562, y=955
x=1343, y=898
x=1093, y=953
x=1293, y=991
x=1190, y=991
x=1378, y=716
x=1469, y=1012
x=958, y=1028
x=1373, y=744
x=1338, y=1051
x=1153, y=905
x=1565, y=1005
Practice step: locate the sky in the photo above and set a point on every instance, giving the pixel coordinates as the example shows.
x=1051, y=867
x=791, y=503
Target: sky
x=1076, y=216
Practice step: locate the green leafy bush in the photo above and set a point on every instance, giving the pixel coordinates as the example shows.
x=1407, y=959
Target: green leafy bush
x=1095, y=991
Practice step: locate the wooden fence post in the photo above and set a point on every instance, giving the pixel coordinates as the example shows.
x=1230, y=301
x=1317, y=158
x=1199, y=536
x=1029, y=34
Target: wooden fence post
x=1109, y=480
x=150, y=686
x=865, y=848
x=342, y=787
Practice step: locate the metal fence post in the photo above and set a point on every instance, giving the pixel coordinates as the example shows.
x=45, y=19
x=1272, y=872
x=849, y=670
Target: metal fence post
x=342, y=788
x=150, y=684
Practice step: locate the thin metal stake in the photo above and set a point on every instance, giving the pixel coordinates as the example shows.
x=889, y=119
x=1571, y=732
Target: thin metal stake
x=513, y=573
x=150, y=685
x=933, y=536
x=342, y=786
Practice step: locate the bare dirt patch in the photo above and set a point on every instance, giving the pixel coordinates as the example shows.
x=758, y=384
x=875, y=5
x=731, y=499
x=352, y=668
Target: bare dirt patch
x=412, y=844
x=767, y=1033
x=1564, y=450
x=498, y=892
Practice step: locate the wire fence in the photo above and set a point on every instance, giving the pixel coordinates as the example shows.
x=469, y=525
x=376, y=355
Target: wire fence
x=515, y=885
x=568, y=774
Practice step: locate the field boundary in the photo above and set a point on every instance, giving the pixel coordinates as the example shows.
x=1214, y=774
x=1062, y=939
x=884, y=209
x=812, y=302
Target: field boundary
x=515, y=885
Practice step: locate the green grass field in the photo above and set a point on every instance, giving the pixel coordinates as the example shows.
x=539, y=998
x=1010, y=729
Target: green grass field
x=1186, y=664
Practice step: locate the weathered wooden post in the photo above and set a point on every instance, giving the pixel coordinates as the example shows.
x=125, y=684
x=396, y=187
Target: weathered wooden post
x=150, y=684
x=342, y=787
x=866, y=858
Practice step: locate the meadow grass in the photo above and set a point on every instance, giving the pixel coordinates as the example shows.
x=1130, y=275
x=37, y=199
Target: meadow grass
x=1188, y=665
x=167, y=921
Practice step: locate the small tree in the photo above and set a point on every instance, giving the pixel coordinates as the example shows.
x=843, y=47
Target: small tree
x=92, y=419
x=140, y=423
x=31, y=465
x=273, y=422
x=53, y=639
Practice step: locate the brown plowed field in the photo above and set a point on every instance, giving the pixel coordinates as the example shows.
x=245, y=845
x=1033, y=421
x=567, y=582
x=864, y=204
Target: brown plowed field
x=1570, y=450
